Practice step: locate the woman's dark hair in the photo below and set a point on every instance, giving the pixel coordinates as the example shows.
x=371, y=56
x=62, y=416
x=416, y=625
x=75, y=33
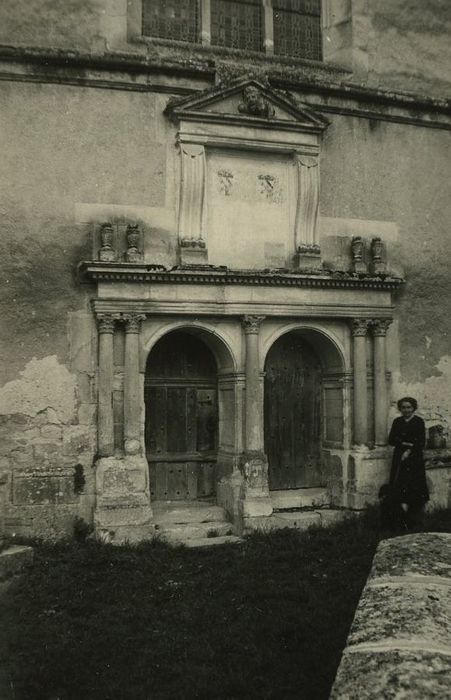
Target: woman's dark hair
x=408, y=399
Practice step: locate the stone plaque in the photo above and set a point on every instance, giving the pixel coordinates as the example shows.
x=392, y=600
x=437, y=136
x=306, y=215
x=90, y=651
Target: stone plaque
x=251, y=206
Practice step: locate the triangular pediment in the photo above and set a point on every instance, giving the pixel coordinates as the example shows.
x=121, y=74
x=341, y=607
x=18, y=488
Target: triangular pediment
x=247, y=102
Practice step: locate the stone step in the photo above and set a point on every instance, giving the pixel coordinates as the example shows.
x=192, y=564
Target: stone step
x=192, y=531
x=180, y=512
x=301, y=519
x=299, y=498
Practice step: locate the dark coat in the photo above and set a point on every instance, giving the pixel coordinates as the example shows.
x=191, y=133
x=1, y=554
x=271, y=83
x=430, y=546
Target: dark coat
x=408, y=477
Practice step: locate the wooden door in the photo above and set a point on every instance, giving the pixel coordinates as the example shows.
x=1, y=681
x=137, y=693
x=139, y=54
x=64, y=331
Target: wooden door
x=181, y=418
x=292, y=414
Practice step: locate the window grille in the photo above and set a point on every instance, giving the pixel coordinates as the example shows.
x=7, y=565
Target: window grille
x=171, y=19
x=297, y=28
x=237, y=23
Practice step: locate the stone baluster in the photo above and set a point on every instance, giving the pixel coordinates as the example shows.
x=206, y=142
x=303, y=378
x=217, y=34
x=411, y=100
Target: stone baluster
x=360, y=410
x=105, y=435
x=380, y=327
x=132, y=398
x=253, y=400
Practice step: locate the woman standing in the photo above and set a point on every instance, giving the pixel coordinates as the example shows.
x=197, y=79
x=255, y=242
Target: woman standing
x=408, y=486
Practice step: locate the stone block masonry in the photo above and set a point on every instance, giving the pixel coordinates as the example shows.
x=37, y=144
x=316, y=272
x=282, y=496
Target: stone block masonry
x=400, y=641
x=46, y=452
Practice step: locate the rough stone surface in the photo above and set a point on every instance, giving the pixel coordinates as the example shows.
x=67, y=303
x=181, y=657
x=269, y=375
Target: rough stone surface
x=399, y=645
x=13, y=560
x=392, y=674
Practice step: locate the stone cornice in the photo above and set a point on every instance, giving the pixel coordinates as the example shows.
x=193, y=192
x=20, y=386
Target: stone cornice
x=129, y=71
x=147, y=273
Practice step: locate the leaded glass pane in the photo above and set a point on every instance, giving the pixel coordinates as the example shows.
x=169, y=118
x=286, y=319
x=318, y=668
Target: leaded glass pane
x=171, y=19
x=297, y=28
x=237, y=23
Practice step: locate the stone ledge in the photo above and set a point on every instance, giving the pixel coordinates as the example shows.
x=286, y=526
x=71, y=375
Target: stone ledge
x=13, y=560
x=400, y=641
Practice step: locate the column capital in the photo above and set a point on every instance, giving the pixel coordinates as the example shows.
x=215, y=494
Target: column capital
x=359, y=327
x=133, y=322
x=105, y=323
x=380, y=326
x=251, y=324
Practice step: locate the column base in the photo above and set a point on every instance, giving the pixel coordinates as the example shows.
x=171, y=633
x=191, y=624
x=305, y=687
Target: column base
x=123, y=512
x=367, y=470
x=255, y=498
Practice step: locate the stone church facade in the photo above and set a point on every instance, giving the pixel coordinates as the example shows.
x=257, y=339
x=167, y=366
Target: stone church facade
x=224, y=249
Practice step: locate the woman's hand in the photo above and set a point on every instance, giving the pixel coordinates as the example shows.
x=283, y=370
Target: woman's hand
x=405, y=455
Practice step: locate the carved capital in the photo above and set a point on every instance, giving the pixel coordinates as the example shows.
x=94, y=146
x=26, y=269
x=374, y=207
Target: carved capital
x=359, y=327
x=133, y=322
x=251, y=324
x=380, y=326
x=105, y=323
x=306, y=161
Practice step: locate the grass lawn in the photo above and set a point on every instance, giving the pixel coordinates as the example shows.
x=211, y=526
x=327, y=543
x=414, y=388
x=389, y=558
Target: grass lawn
x=265, y=619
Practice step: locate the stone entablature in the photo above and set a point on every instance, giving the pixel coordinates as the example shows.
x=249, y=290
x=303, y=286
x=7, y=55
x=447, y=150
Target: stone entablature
x=324, y=279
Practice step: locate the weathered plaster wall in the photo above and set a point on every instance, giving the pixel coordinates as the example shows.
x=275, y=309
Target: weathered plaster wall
x=83, y=24
x=400, y=177
x=62, y=148
x=408, y=45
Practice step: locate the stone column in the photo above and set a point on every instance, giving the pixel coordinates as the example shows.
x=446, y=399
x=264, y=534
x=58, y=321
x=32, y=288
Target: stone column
x=360, y=408
x=256, y=501
x=379, y=328
x=132, y=398
x=253, y=402
x=105, y=434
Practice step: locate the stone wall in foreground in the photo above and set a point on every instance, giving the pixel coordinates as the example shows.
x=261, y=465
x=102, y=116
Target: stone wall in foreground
x=399, y=645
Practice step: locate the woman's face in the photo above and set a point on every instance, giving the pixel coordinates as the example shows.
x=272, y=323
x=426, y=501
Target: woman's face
x=407, y=409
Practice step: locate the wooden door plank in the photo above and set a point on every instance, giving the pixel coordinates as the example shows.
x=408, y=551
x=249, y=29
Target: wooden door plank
x=176, y=419
x=191, y=419
x=177, y=482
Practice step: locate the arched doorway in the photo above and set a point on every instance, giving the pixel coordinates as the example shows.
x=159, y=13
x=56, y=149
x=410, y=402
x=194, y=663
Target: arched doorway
x=293, y=413
x=181, y=424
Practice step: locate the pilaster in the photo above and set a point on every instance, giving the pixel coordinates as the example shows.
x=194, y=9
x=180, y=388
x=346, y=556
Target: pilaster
x=308, y=254
x=193, y=248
